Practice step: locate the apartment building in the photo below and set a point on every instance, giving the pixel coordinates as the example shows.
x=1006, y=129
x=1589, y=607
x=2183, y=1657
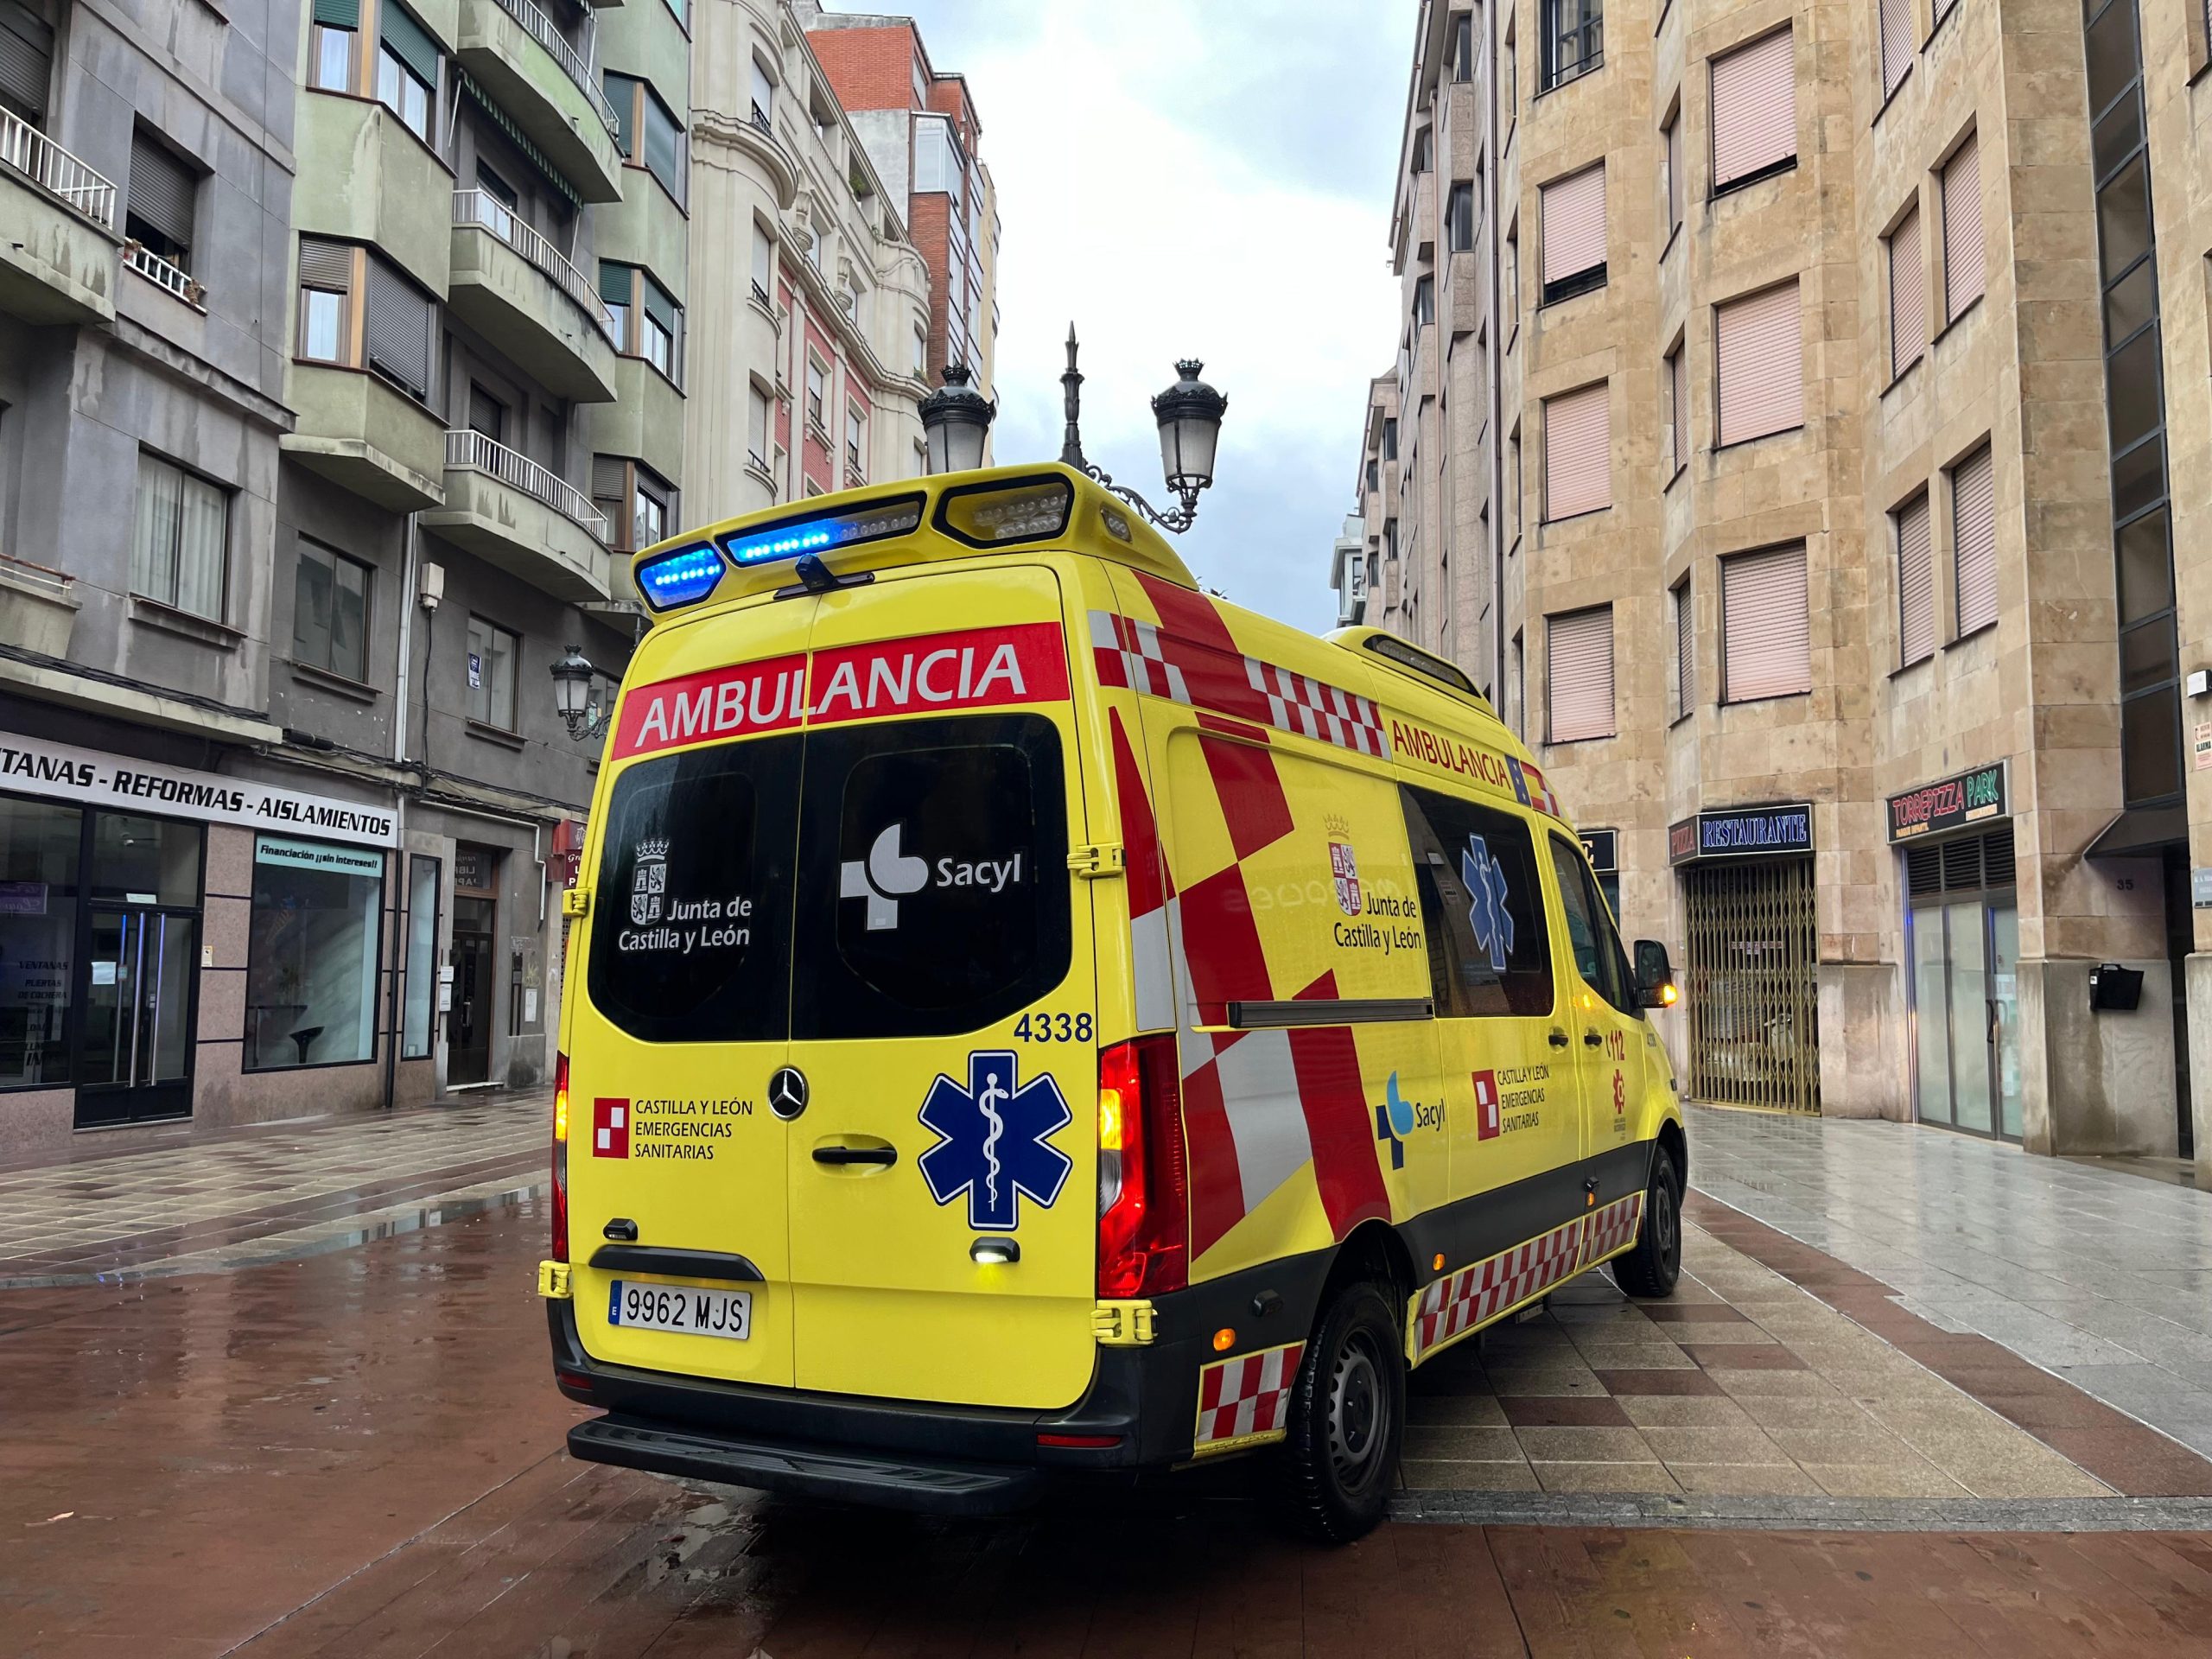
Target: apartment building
x=342, y=363
x=825, y=335
x=920, y=127
x=1791, y=438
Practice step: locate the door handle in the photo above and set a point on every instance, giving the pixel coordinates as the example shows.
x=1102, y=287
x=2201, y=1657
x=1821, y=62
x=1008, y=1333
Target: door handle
x=1559, y=1038
x=838, y=1157
x=1592, y=1040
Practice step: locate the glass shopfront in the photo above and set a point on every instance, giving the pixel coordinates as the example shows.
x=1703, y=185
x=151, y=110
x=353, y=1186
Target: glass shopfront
x=39, y=854
x=313, y=953
x=1964, y=930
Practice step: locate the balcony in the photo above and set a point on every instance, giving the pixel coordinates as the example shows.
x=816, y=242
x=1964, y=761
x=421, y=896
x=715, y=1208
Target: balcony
x=374, y=181
x=364, y=435
x=57, y=231
x=519, y=292
x=172, y=280
x=549, y=89
x=509, y=511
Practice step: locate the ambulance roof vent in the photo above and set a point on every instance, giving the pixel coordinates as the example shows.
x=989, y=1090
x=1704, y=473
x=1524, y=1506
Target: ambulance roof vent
x=1413, y=658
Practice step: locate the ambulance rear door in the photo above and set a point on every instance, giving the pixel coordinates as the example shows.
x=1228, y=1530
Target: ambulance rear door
x=943, y=1175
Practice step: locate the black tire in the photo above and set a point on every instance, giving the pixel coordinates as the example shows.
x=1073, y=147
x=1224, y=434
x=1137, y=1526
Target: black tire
x=1347, y=1417
x=1651, y=1268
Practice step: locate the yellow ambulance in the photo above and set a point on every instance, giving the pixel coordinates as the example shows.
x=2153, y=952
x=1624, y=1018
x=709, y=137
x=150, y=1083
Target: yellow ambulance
x=1025, y=1015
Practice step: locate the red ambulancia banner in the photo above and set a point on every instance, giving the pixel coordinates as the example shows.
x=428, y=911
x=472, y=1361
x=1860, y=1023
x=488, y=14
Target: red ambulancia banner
x=929, y=673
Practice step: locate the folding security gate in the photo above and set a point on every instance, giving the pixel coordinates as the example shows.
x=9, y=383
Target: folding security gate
x=1753, y=947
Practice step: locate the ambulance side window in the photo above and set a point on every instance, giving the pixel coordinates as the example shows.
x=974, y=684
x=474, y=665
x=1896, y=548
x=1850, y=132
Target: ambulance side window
x=691, y=915
x=934, y=892
x=1590, y=935
x=1482, y=906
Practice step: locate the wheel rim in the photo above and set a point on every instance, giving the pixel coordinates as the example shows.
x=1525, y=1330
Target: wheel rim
x=1664, y=1231
x=1359, y=1412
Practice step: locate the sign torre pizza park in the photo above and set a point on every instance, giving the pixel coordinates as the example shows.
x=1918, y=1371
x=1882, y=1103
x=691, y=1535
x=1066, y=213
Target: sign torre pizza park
x=1967, y=798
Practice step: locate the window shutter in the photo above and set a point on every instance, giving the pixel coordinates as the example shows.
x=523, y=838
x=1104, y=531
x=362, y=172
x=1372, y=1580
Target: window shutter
x=763, y=259
x=1678, y=411
x=1573, y=227
x=661, y=147
x=614, y=287
x=325, y=264
x=1578, y=453
x=610, y=477
x=658, y=306
x=1896, y=42
x=1908, y=295
x=161, y=189
x=26, y=60
x=1580, y=648
x=1766, y=642
x=337, y=14
x=1915, y=584
x=410, y=42
x=398, y=329
x=1973, y=540
x=1761, y=348
x=1685, y=650
x=1964, y=257
x=1754, y=107
x=1674, y=181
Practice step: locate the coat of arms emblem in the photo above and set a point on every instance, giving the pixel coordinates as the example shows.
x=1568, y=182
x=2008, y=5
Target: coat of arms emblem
x=649, y=883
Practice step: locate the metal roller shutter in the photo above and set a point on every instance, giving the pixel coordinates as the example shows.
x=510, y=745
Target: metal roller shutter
x=1754, y=108
x=337, y=14
x=161, y=188
x=26, y=62
x=1578, y=652
x=1573, y=227
x=1578, y=453
x=1973, y=540
x=398, y=329
x=1678, y=410
x=409, y=42
x=1685, y=650
x=1675, y=183
x=1765, y=639
x=1896, y=42
x=326, y=264
x=1760, y=347
x=1964, y=259
x=1915, y=584
x=1908, y=295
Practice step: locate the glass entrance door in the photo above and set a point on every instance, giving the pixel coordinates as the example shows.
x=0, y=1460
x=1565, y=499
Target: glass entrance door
x=134, y=1054
x=1965, y=952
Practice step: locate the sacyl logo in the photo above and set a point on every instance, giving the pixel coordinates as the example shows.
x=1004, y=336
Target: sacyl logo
x=883, y=878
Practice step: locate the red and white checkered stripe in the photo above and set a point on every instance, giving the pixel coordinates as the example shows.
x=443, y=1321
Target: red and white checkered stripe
x=1245, y=1399
x=1128, y=653
x=1458, y=1303
x=1612, y=1229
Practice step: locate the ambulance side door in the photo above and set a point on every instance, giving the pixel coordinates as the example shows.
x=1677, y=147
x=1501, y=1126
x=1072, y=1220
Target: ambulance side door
x=1606, y=1029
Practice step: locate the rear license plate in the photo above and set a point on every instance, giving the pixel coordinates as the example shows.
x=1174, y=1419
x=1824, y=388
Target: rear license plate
x=681, y=1307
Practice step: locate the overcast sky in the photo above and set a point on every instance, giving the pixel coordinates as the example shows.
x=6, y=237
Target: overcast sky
x=1207, y=178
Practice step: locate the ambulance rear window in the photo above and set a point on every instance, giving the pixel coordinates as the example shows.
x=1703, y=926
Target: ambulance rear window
x=933, y=876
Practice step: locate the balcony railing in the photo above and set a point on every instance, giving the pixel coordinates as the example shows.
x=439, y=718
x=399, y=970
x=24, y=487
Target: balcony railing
x=163, y=275
x=55, y=170
x=486, y=211
x=541, y=28
x=468, y=450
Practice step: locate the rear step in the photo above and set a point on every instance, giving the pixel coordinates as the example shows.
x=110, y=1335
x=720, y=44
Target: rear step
x=878, y=1480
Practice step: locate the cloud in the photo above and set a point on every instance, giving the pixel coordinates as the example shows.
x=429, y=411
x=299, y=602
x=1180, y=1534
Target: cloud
x=1183, y=178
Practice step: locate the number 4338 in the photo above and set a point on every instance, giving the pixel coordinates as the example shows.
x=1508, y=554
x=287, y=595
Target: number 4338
x=1054, y=1028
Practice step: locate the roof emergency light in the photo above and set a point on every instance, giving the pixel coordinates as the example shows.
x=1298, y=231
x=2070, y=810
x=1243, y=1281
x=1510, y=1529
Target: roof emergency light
x=683, y=577
x=825, y=532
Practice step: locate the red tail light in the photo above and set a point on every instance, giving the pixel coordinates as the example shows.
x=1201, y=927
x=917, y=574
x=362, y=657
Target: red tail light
x=561, y=1158
x=1144, y=1215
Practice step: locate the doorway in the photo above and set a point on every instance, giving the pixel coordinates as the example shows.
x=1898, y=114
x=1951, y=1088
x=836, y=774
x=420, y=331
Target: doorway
x=139, y=948
x=1753, y=991
x=1964, y=927
x=475, y=924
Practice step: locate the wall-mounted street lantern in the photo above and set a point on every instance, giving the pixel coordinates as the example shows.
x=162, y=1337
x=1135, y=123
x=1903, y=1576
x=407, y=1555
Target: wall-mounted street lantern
x=575, y=696
x=1189, y=413
x=955, y=419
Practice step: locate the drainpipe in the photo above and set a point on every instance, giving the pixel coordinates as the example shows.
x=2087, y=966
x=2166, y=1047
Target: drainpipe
x=1498, y=338
x=409, y=548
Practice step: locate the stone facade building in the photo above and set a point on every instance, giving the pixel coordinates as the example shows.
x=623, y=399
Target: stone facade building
x=1791, y=438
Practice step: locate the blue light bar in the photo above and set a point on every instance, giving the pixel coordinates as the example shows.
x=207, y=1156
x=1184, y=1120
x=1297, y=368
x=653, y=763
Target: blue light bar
x=681, y=578
x=821, y=532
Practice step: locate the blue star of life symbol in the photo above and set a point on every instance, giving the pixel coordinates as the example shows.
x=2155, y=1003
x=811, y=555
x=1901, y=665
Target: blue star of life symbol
x=991, y=1140
x=1492, y=920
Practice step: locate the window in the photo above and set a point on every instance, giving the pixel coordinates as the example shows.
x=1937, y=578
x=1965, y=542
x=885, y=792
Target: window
x=1908, y=295
x=1389, y=437
x=178, y=553
x=1490, y=956
x=1422, y=143
x=41, y=846
x=1678, y=412
x=326, y=271
x=1512, y=281
x=1965, y=259
x=1685, y=649
x=1573, y=231
x=1766, y=649
x=399, y=320
x=1915, y=584
x=610, y=494
x=855, y=438
x=330, y=612
x=921, y=352
x=817, y=391
x=491, y=653
x=420, y=999
x=650, y=508
x=1511, y=81
x=1974, y=541
x=1759, y=348
x=158, y=212
x=1461, y=217
x=330, y=51
x=1575, y=39
x=1463, y=47
x=763, y=95
x=1578, y=659
x=311, y=955
x=486, y=414
x=1591, y=938
x=1755, y=110
x=1671, y=165
x=756, y=427
x=763, y=264
x=1897, y=43
x=407, y=70
x=656, y=325
x=646, y=132
x=647, y=320
x=1424, y=301
x=1578, y=453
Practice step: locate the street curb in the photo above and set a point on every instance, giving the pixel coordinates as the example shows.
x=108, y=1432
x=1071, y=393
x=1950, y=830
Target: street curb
x=1806, y=1514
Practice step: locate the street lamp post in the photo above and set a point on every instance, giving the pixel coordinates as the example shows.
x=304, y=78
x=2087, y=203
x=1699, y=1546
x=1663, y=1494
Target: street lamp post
x=956, y=418
x=584, y=716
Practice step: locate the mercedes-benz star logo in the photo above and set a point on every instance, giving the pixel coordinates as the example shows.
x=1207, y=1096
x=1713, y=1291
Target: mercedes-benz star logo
x=787, y=1093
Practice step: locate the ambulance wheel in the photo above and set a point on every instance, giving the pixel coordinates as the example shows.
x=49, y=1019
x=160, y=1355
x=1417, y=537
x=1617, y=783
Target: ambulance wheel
x=1347, y=1417
x=1655, y=1262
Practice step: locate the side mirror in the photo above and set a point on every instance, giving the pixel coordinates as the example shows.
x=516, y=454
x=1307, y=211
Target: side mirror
x=1655, y=976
